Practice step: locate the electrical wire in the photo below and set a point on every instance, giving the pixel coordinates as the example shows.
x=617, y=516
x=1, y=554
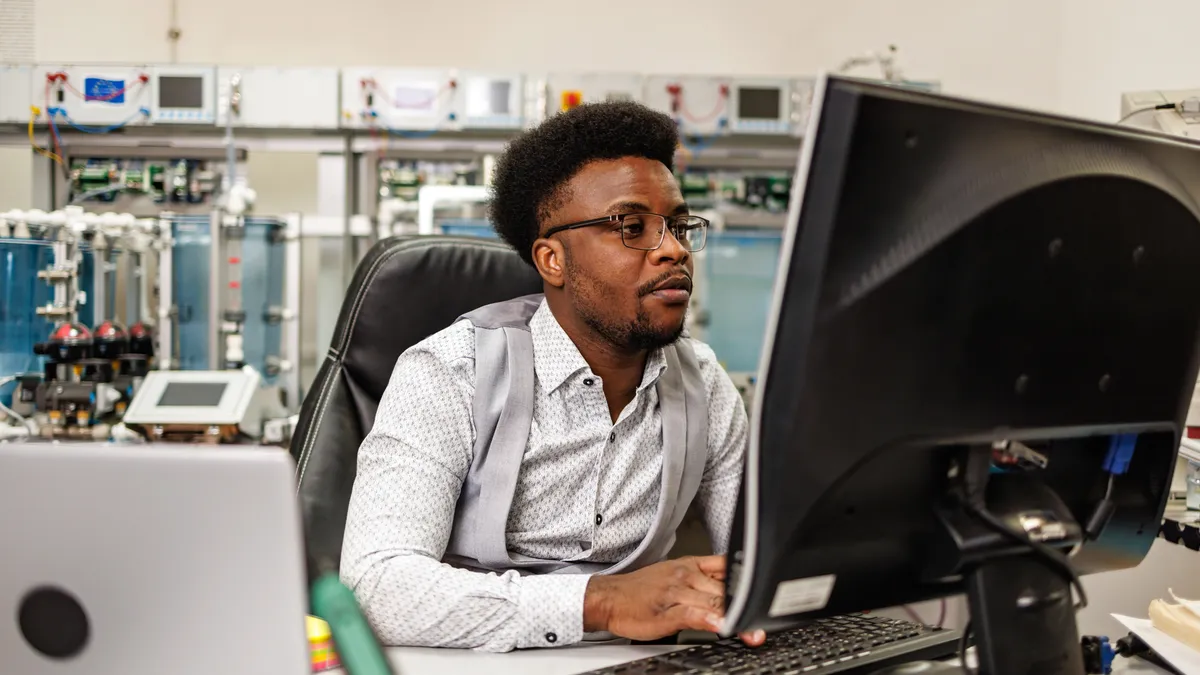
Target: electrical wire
x=683, y=109
x=912, y=614
x=142, y=112
x=1139, y=111
x=106, y=97
x=1052, y=557
x=34, y=113
x=963, y=643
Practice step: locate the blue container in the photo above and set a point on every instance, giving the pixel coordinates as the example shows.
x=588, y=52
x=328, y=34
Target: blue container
x=262, y=288
x=21, y=293
x=739, y=278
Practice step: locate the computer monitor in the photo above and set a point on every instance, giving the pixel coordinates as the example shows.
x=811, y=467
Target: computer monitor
x=980, y=313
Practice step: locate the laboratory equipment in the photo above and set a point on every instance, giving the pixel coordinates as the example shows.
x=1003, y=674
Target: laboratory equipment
x=491, y=101
x=761, y=106
x=563, y=91
x=398, y=100
x=172, y=559
x=269, y=97
x=967, y=280
x=702, y=106
x=209, y=406
x=183, y=95
x=91, y=98
x=234, y=296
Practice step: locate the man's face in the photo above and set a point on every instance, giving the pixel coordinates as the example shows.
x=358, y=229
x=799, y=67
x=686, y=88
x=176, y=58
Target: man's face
x=616, y=290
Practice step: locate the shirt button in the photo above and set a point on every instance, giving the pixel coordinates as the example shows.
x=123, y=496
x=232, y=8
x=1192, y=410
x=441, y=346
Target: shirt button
x=612, y=438
x=588, y=381
x=599, y=519
x=551, y=638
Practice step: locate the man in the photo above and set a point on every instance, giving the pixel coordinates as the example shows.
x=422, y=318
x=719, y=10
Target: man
x=529, y=464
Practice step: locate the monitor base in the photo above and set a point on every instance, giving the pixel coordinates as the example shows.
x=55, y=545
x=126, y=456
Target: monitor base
x=1023, y=618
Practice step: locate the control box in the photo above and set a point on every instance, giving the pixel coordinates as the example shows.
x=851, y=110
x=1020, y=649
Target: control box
x=399, y=99
x=183, y=95
x=490, y=100
x=278, y=98
x=761, y=106
x=567, y=90
x=702, y=106
x=15, y=93
x=95, y=98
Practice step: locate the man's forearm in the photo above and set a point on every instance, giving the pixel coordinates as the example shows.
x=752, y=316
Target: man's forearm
x=413, y=600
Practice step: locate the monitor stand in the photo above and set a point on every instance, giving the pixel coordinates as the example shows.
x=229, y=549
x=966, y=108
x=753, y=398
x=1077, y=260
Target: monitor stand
x=1022, y=609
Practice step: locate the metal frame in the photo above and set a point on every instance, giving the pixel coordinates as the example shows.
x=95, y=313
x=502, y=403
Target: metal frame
x=290, y=328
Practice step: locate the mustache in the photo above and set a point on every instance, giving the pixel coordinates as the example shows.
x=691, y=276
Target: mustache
x=648, y=287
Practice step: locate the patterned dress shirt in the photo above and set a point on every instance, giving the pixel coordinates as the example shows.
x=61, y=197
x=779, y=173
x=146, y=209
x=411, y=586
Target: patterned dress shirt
x=587, y=491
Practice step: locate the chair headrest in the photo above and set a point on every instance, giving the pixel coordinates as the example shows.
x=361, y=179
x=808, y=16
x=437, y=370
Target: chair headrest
x=408, y=288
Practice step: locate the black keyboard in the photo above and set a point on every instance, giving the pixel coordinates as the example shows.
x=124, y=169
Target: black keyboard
x=843, y=644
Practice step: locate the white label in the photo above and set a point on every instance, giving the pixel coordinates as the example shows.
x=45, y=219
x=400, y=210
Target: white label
x=802, y=595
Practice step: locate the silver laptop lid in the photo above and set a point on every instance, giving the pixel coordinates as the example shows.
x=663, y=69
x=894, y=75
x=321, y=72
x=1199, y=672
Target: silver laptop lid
x=150, y=560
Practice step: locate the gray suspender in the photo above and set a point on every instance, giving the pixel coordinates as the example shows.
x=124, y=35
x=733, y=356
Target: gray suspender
x=503, y=412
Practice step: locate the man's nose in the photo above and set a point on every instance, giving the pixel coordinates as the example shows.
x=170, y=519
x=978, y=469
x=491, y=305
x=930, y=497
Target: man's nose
x=671, y=251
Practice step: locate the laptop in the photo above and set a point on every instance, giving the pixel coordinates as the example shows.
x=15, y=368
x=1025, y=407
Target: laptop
x=150, y=559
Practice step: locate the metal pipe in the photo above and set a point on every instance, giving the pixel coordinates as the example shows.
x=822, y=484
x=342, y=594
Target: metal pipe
x=215, y=287
x=348, y=257
x=166, y=311
x=290, y=347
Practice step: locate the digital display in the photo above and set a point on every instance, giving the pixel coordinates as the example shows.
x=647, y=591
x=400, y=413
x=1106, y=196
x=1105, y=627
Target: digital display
x=181, y=92
x=759, y=103
x=202, y=394
x=486, y=98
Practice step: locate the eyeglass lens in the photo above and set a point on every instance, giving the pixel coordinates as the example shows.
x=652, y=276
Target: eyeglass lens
x=646, y=231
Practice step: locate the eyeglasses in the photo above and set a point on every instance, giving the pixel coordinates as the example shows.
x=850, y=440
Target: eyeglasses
x=647, y=231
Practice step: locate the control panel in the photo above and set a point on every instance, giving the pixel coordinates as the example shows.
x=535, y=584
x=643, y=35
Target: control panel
x=490, y=100
x=567, y=90
x=702, y=106
x=399, y=100
x=183, y=95
x=761, y=106
x=94, y=99
x=278, y=98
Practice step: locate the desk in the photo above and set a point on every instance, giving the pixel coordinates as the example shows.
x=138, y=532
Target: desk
x=571, y=660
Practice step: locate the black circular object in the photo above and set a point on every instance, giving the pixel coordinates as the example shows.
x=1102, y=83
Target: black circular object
x=53, y=622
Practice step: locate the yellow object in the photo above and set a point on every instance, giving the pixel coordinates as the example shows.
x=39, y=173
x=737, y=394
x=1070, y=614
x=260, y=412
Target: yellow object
x=571, y=98
x=1180, y=621
x=320, y=645
x=34, y=113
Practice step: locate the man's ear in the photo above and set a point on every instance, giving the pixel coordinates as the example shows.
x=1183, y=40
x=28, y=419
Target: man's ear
x=548, y=258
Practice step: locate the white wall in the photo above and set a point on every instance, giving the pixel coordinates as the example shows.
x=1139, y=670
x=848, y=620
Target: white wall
x=970, y=46
x=1115, y=46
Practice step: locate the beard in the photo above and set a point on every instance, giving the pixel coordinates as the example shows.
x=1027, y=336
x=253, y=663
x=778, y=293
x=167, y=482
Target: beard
x=635, y=334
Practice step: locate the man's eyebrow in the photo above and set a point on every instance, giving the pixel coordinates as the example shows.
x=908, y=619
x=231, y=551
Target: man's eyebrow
x=628, y=207
x=680, y=210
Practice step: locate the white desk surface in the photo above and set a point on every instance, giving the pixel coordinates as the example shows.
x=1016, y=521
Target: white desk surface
x=571, y=660
x=561, y=661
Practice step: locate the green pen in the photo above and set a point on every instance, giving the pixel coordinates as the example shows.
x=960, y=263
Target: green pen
x=357, y=647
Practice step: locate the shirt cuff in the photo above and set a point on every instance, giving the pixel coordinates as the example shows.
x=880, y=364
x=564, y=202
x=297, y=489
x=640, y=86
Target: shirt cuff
x=550, y=610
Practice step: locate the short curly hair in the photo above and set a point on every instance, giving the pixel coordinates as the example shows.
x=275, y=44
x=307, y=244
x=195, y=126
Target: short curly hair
x=531, y=175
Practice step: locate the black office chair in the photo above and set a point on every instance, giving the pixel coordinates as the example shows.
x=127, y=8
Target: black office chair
x=404, y=290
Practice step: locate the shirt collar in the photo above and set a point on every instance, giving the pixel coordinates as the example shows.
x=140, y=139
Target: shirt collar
x=556, y=358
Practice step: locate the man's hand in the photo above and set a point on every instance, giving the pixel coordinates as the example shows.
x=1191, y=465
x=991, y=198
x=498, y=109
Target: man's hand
x=660, y=600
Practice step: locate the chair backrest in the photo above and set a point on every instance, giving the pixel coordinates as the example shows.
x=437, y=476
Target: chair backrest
x=404, y=290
